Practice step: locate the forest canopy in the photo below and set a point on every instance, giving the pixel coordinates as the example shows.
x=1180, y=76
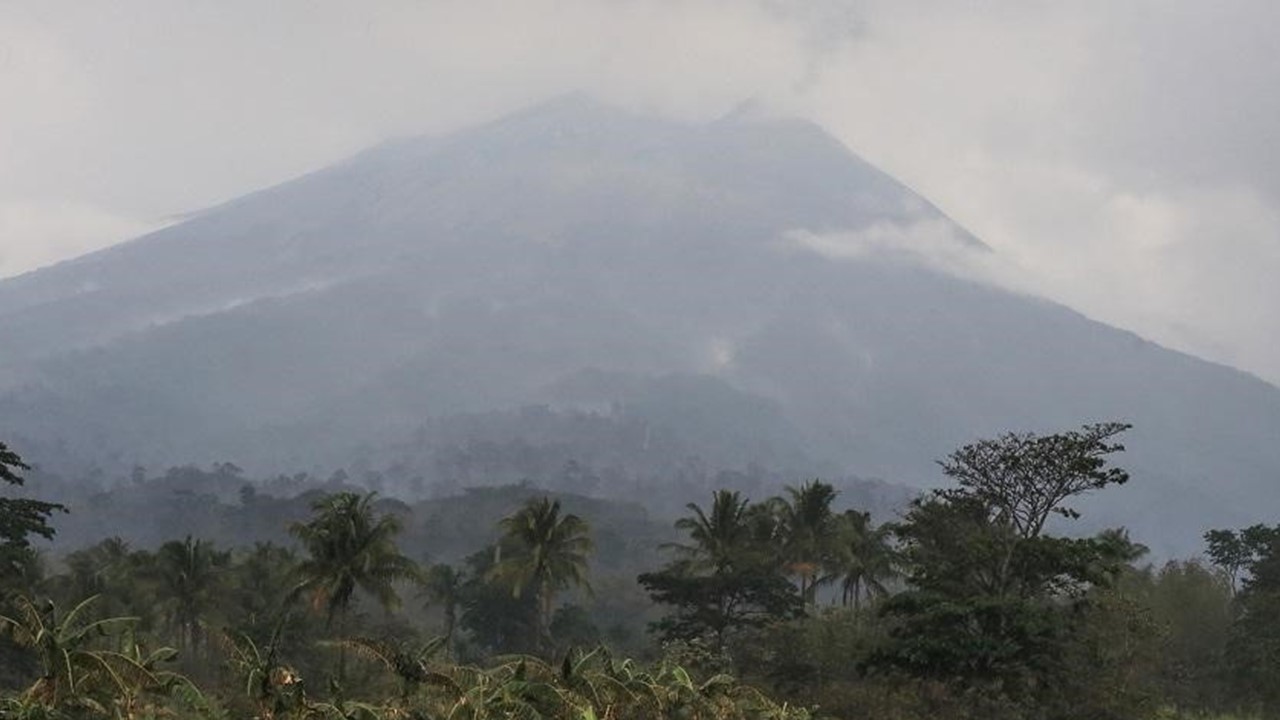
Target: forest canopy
x=509, y=601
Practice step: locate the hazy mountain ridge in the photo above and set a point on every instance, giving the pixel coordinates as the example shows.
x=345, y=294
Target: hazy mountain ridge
x=486, y=269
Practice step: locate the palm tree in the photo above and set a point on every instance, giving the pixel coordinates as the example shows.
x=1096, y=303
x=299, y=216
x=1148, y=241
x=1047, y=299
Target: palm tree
x=189, y=573
x=865, y=559
x=544, y=552
x=719, y=538
x=350, y=548
x=808, y=537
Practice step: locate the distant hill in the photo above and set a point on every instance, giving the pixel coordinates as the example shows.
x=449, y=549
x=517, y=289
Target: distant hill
x=657, y=283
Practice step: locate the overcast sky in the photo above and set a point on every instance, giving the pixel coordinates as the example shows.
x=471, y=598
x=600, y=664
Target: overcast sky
x=1122, y=156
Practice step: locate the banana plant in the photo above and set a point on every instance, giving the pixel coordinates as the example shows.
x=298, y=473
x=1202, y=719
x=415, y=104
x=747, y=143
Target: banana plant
x=276, y=689
x=78, y=675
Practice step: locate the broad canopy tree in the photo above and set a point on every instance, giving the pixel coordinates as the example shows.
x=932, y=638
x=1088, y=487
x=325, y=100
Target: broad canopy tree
x=1237, y=552
x=729, y=576
x=991, y=595
x=1250, y=558
x=20, y=518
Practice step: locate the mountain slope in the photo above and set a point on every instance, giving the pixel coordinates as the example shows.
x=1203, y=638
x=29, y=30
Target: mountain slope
x=595, y=261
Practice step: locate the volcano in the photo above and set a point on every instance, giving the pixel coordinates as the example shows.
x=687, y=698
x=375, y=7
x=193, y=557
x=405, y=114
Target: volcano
x=748, y=291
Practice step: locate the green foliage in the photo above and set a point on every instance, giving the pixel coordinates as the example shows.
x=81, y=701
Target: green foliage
x=350, y=547
x=864, y=559
x=191, y=576
x=807, y=528
x=541, y=553
x=1236, y=552
x=1023, y=479
x=496, y=620
x=719, y=603
x=261, y=581
x=719, y=539
x=727, y=578
x=1193, y=606
x=993, y=603
x=20, y=518
x=967, y=608
x=271, y=686
x=1250, y=559
x=584, y=686
x=81, y=674
x=443, y=585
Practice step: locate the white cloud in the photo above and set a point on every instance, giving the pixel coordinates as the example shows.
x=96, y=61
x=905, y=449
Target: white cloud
x=1121, y=156
x=935, y=242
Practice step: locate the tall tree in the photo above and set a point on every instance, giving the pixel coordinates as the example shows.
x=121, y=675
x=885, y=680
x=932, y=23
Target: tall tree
x=991, y=597
x=20, y=518
x=727, y=576
x=543, y=552
x=190, y=574
x=864, y=558
x=350, y=547
x=808, y=528
x=1235, y=552
x=717, y=538
x=1020, y=480
x=1253, y=649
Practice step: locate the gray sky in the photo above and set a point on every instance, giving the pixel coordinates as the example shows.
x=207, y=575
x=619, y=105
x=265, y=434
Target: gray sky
x=1122, y=155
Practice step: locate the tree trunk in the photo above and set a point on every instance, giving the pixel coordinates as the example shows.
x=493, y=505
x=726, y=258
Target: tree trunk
x=545, y=600
x=450, y=621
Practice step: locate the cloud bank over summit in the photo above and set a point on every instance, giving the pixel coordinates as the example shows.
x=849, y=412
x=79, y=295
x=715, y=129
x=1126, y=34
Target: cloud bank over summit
x=1121, y=155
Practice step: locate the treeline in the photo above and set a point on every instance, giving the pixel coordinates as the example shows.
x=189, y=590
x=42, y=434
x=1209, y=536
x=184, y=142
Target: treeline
x=968, y=606
x=662, y=451
x=225, y=504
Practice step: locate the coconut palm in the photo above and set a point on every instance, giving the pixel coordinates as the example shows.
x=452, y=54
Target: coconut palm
x=808, y=526
x=350, y=548
x=190, y=573
x=865, y=559
x=543, y=553
x=718, y=538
